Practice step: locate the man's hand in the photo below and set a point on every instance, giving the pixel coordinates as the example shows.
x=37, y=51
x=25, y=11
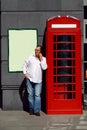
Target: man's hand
x=40, y=56
x=26, y=75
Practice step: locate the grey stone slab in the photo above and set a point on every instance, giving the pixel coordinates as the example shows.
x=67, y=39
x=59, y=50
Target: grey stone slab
x=85, y=2
x=18, y=5
x=30, y=5
x=4, y=48
x=5, y=4
x=24, y=20
x=72, y=4
x=40, y=40
x=11, y=100
x=31, y=20
x=10, y=78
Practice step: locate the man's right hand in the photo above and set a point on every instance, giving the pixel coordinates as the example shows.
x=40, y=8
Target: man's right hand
x=26, y=75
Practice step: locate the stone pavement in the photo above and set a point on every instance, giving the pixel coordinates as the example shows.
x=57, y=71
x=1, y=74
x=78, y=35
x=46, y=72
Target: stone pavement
x=21, y=120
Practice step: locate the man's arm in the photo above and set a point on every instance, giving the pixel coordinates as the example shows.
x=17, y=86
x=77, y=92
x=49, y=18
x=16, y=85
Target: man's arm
x=43, y=63
x=24, y=68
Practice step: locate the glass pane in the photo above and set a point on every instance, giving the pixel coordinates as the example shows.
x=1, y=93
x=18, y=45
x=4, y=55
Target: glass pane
x=85, y=52
x=66, y=38
x=66, y=54
x=86, y=30
x=65, y=63
x=85, y=71
x=65, y=71
x=70, y=95
x=67, y=79
x=65, y=46
x=85, y=87
x=71, y=87
x=85, y=12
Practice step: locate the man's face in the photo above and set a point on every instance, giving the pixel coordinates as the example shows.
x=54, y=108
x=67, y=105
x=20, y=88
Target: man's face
x=37, y=51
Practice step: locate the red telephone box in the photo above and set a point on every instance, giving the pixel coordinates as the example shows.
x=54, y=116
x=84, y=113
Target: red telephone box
x=63, y=77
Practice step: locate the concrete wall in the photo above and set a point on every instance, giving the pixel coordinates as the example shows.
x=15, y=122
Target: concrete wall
x=27, y=14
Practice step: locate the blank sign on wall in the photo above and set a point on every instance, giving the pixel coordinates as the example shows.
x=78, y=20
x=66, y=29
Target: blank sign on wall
x=22, y=43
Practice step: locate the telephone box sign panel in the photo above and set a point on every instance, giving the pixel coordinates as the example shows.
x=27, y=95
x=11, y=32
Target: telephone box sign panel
x=63, y=77
x=63, y=25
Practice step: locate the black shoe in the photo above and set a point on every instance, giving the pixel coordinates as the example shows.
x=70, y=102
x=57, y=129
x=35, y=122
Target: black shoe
x=37, y=113
x=31, y=112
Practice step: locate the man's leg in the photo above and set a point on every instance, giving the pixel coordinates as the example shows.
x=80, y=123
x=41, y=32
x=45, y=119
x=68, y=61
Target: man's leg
x=37, y=103
x=30, y=90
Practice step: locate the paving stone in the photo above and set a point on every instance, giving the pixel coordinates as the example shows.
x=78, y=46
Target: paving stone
x=81, y=127
x=83, y=122
x=21, y=120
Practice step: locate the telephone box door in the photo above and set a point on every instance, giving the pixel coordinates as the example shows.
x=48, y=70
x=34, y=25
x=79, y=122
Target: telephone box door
x=63, y=78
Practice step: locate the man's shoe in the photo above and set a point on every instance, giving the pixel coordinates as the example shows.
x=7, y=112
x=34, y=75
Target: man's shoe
x=31, y=112
x=37, y=113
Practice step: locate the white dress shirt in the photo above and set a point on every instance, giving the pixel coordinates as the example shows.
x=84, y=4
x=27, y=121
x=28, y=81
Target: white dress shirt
x=33, y=67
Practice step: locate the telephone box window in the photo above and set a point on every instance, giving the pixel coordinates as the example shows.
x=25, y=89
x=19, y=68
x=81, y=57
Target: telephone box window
x=65, y=38
x=85, y=52
x=86, y=30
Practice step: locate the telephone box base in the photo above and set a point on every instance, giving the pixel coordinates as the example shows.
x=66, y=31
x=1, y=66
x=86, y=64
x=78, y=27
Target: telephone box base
x=78, y=111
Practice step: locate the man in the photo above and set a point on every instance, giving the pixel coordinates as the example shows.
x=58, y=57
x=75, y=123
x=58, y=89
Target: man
x=32, y=69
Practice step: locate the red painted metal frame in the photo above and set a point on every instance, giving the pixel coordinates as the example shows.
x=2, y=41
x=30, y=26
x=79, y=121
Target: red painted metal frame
x=57, y=101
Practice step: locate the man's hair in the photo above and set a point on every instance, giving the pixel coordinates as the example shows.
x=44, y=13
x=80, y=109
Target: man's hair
x=41, y=48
